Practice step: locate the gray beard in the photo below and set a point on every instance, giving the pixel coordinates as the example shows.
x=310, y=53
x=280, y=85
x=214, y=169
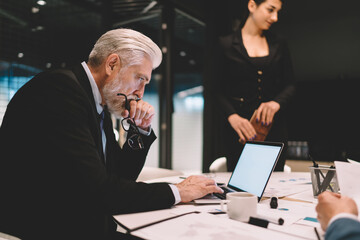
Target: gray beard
x=115, y=104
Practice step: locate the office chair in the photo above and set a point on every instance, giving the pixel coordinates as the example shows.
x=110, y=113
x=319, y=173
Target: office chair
x=219, y=165
x=8, y=237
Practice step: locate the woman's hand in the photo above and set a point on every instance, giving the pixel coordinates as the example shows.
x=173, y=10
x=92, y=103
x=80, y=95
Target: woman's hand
x=266, y=112
x=243, y=127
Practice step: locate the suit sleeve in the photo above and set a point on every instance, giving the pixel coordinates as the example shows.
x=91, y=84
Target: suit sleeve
x=126, y=162
x=343, y=228
x=74, y=154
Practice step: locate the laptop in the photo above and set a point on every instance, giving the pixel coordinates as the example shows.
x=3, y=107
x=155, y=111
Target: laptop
x=252, y=171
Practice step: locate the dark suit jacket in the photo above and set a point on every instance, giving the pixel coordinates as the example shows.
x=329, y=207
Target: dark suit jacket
x=52, y=171
x=239, y=88
x=242, y=86
x=343, y=228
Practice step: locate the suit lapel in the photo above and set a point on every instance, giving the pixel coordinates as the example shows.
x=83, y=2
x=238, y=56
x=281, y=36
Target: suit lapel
x=238, y=46
x=273, y=46
x=95, y=129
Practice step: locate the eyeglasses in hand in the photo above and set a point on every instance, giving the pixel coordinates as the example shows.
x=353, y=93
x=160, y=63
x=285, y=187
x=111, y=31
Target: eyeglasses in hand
x=128, y=124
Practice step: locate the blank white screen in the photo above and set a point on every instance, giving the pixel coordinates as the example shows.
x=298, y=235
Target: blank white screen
x=254, y=167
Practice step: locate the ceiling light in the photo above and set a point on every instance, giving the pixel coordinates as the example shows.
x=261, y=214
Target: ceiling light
x=41, y=2
x=37, y=28
x=182, y=53
x=48, y=65
x=20, y=55
x=35, y=9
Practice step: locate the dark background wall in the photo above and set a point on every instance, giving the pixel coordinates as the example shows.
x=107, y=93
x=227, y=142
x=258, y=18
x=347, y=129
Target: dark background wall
x=323, y=36
x=324, y=40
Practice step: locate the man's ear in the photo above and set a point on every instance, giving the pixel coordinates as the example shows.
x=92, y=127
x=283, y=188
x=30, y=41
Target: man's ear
x=112, y=63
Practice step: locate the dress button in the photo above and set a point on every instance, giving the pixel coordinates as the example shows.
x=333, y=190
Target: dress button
x=260, y=72
x=259, y=80
x=259, y=88
x=259, y=97
x=241, y=99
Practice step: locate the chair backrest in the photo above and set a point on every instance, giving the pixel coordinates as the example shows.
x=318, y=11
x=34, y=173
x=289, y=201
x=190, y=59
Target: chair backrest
x=219, y=165
x=8, y=237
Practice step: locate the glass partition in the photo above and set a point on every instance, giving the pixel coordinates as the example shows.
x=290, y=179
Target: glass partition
x=187, y=138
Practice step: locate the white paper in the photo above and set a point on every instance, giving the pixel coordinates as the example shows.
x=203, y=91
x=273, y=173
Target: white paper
x=307, y=195
x=347, y=175
x=309, y=222
x=305, y=232
x=353, y=161
x=282, y=184
x=290, y=211
x=263, y=209
x=207, y=226
x=134, y=220
x=293, y=213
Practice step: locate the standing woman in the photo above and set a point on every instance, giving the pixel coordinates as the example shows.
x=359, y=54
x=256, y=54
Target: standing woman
x=256, y=73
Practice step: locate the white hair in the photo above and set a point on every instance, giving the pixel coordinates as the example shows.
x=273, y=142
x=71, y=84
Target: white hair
x=130, y=45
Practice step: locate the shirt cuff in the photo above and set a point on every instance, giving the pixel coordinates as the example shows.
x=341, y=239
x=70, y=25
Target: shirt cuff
x=176, y=193
x=342, y=215
x=145, y=132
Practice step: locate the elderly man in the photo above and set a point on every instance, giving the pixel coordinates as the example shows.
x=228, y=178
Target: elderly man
x=62, y=173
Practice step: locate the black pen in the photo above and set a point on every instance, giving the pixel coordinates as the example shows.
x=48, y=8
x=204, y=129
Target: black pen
x=279, y=221
x=317, y=233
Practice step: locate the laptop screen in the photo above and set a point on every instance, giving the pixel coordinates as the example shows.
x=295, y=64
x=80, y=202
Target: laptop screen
x=254, y=167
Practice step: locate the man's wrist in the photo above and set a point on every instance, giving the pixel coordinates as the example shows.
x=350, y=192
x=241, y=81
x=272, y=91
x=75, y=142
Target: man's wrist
x=176, y=193
x=342, y=215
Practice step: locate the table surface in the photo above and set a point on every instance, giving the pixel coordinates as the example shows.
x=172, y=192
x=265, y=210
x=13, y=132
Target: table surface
x=296, y=205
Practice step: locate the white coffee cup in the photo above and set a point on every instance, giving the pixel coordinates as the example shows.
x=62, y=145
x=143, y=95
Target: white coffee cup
x=240, y=205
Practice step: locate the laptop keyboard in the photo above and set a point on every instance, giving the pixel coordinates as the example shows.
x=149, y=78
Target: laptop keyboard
x=222, y=195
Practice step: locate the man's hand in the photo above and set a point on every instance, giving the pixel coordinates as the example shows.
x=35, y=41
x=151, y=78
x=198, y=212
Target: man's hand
x=142, y=112
x=195, y=187
x=243, y=127
x=331, y=204
x=266, y=112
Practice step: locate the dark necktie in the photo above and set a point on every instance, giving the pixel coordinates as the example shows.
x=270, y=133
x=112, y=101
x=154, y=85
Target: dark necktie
x=102, y=115
x=103, y=138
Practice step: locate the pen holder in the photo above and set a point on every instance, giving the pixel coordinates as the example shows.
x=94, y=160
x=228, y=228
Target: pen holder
x=323, y=178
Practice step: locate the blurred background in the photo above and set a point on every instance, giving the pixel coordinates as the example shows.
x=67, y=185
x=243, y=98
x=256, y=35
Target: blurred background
x=323, y=37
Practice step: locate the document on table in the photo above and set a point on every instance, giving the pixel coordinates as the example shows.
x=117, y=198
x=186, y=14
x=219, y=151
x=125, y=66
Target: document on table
x=283, y=184
x=135, y=220
x=352, y=161
x=347, y=173
x=306, y=196
x=206, y=226
x=299, y=217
